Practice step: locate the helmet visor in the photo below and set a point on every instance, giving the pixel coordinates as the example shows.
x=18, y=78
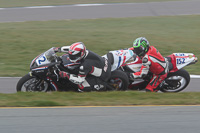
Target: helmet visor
x=75, y=57
x=137, y=51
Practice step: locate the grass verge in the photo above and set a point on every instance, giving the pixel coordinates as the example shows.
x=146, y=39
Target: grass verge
x=115, y=98
x=21, y=42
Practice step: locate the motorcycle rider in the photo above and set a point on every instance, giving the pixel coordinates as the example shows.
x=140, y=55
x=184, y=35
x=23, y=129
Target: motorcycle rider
x=152, y=61
x=94, y=70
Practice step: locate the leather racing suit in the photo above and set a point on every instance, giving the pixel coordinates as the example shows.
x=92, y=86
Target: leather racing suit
x=154, y=62
x=94, y=71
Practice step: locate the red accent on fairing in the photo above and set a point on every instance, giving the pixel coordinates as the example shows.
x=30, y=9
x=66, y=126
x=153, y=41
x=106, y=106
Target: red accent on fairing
x=182, y=56
x=44, y=67
x=131, y=48
x=124, y=60
x=41, y=67
x=173, y=61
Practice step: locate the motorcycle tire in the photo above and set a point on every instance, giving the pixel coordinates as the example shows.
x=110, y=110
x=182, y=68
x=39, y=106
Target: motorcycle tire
x=183, y=83
x=27, y=78
x=119, y=80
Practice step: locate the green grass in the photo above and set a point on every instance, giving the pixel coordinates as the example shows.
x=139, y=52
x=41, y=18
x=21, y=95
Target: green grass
x=115, y=98
x=22, y=3
x=22, y=41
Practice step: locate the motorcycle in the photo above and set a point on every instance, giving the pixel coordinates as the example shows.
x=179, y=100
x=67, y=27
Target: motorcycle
x=44, y=75
x=177, y=79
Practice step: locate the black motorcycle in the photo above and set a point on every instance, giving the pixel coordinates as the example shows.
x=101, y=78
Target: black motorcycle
x=44, y=75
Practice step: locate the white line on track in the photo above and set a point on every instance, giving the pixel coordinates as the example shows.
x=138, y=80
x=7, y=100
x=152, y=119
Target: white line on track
x=195, y=76
x=40, y=7
x=37, y=7
x=89, y=5
x=97, y=4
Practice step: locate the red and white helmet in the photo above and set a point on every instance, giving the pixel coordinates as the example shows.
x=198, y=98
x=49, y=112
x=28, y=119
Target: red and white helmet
x=77, y=51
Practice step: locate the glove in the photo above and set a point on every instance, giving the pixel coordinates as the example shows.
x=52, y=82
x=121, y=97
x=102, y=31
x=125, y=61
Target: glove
x=64, y=74
x=58, y=49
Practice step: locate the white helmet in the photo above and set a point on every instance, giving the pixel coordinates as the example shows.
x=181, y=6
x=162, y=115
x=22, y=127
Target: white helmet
x=77, y=51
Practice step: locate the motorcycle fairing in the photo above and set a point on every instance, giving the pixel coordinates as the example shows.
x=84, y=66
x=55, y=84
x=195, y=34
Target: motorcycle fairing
x=120, y=58
x=135, y=65
x=44, y=58
x=180, y=60
x=184, y=59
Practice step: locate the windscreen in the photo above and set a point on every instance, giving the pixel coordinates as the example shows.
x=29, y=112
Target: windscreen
x=45, y=58
x=50, y=54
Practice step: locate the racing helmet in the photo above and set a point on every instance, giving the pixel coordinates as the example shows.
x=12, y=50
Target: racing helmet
x=77, y=51
x=141, y=46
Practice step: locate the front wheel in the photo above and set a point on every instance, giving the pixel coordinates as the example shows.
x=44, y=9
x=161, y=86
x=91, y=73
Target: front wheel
x=118, y=80
x=31, y=83
x=176, y=82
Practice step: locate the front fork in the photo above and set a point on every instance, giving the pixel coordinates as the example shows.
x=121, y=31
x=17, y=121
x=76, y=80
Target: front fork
x=49, y=81
x=53, y=85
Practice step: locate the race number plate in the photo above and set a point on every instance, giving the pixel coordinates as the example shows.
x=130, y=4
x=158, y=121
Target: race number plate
x=42, y=60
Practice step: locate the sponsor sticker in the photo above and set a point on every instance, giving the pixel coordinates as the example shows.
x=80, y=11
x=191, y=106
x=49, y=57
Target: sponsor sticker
x=190, y=56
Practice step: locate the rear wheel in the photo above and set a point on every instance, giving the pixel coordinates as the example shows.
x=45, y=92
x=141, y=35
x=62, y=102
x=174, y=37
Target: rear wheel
x=118, y=80
x=31, y=83
x=176, y=82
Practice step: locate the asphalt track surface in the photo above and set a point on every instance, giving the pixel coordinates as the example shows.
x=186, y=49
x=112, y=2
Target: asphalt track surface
x=143, y=119
x=8, y=85
x=92, y=11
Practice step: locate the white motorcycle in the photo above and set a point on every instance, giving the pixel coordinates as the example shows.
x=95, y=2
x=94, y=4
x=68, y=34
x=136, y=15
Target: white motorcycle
x=177, y=79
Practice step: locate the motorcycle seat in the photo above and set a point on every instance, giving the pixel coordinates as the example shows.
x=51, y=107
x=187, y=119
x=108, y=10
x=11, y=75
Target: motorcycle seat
x=170, y=63
x=110, y=58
